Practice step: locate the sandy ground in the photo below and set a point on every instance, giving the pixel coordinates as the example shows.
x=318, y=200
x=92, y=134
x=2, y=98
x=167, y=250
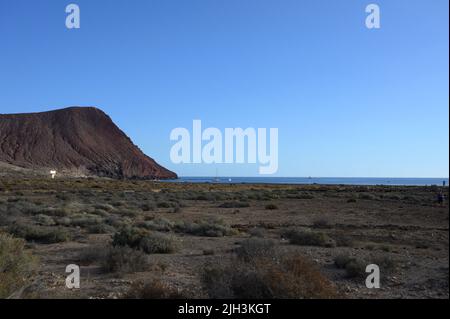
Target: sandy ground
x=402, y=224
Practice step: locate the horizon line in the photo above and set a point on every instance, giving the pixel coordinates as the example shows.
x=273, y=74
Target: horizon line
x=308, y=177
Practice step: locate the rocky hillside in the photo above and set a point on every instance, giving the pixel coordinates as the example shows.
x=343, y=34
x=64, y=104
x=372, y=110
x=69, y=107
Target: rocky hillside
x=76, y=139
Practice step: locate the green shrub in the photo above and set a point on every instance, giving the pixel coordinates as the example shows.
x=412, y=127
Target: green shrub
x=164, y=205
x=234, y=205
x=157, y=243
x=118, y=203
x=124, y=260
x=257, y=232
x=92, y=254
x=154, y=289
x=386, y=263
x=100, y=229
x=57, y=212
x=343, y=240
x=43, y=235
x=44, y=220
x=256, y=248
x=208, y=252
x=128, y=236
x=16, y=265
x=176, y=209
x=158, y=224
x=271, y=207
x=126, y=212
x=63, y=197
x=148, y=207
x=282, y=276
x=150, y=243
x=105, y=207
x=85, y=220
x=207, y=228
x=321, y=223
x=341, y=261
x=356, y=269
x=367, y=196
x=308, y=238
x=116, y=221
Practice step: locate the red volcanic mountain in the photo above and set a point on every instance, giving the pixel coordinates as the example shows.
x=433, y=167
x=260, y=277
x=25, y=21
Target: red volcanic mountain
x=72, y=139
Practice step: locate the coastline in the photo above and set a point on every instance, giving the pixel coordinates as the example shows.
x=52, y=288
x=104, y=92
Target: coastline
x=324, y=181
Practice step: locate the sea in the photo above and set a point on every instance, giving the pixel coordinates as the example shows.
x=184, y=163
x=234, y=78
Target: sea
x=316, y=180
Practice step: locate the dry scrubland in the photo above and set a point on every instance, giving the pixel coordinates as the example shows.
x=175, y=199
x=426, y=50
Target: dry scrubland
x=136, y=239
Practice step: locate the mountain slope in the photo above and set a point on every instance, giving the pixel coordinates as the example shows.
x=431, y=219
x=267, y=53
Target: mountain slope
x=72, y=139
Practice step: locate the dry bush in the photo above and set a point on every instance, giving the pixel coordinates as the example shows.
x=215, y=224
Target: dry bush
x=123, y=260
x=39, y=234
x=164, y=205
x=256, y=248
x=211, y=227
x=367, y=196
x=234, y=204
x=158, y=224
x=154, y=289
x=16, y=265
x=259, y=275
x=343, y=240
x=356, y=267
x=146, y=207
x=44, y=220
x=257, y=232
x=341, y=261
x=150, y=243
x=100, y=229
x=271, y=207
x=308, y=238
x=321, y=223
x=157, y=243
x=92, y=254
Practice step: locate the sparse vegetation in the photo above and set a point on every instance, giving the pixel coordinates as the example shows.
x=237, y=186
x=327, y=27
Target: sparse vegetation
x=257, y=232
x=16, y=265
x=271, y=207
x=356, y=267
x=157, y=243
x=320, y=223
x=154, y=289
x=150, y=243
x=158, y=224
x=308, y=238
x=341, y=261
x=253, y=248
x=257, y=276
x=211, y=227
x=123, y=260
x=40, y=234
x=116, y=229
x=234, y=205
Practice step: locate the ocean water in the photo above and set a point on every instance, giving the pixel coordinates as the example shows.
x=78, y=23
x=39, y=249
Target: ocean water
x=318, y=180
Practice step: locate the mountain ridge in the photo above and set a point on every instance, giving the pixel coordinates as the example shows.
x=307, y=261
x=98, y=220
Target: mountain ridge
x=73, y=139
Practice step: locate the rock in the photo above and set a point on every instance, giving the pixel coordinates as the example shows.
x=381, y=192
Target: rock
x=73, y=140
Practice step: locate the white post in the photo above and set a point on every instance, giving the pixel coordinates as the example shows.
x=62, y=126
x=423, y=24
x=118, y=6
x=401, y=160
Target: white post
x=53, y=173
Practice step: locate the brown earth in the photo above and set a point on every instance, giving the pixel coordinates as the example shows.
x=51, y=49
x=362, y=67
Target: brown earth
x=403, y=229
x=76, y=140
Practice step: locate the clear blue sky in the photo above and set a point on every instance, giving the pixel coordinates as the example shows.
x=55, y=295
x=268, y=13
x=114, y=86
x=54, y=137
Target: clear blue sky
x=348, y=101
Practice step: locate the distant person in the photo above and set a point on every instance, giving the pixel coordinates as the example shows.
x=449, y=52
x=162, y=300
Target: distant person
x=440, y=198
x=443, y=183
